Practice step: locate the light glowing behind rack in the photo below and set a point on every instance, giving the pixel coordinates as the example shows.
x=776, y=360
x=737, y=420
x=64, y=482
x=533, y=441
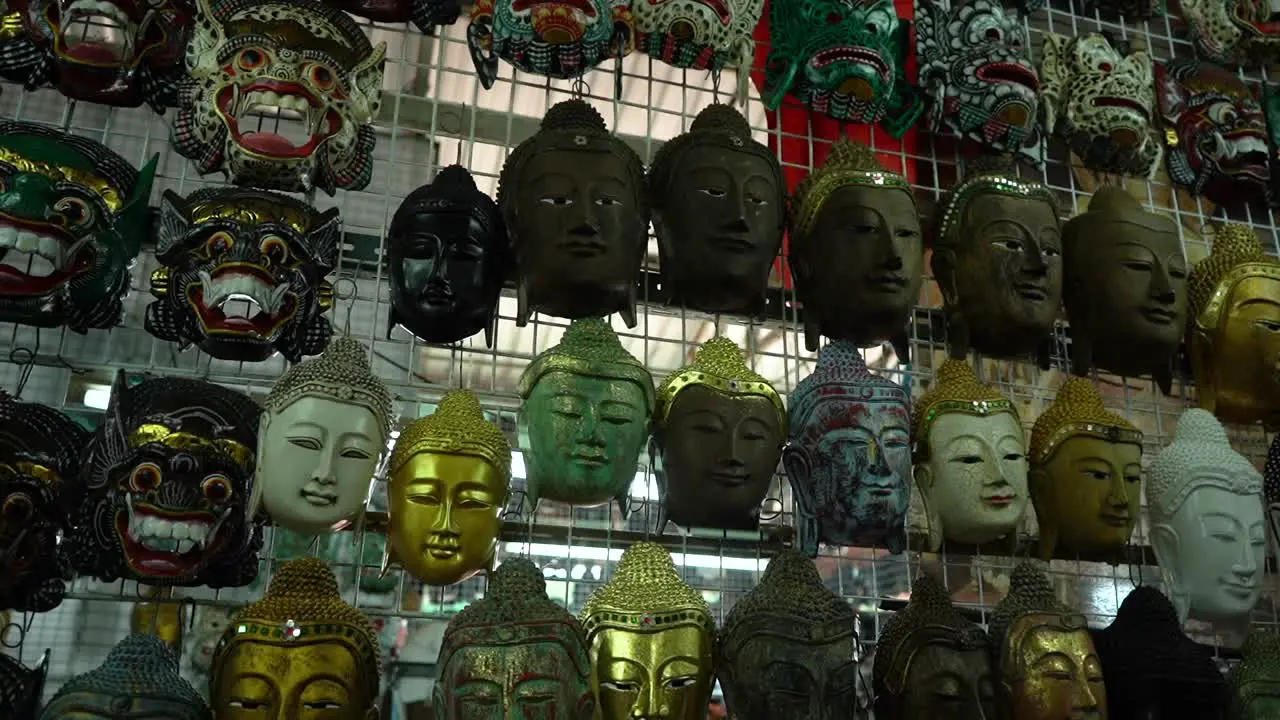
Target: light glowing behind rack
x=599, y=554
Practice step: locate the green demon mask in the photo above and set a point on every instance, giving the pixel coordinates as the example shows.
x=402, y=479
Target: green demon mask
x=842, y=58
x=72, y=217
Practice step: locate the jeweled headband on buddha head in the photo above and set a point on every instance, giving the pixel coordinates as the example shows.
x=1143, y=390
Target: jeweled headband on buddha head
x=956, y=389
x=928, y=619
x=646, y=595
x=457, y=427
x=1077, y=410
x=613, y=235
x=139, y=675
x=989, y=175
x=720, y=366
x=1236, y=254
x=1256, y=676
x=850, y=163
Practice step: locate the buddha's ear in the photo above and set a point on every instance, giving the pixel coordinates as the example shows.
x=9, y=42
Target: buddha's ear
x=1164, y=541
x=1038, y=480
x=795, y=460
x=923, y=476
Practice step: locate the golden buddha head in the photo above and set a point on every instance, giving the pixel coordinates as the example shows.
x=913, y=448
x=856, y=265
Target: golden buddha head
x=651, y=638
x=931, y=662
x=1044, y=656
x=450, y=477
x=718, y=432
x=1253, y=685
x=514, y=653
x=299, y=651
x=970, y=458
x=1234, y=333
x=1086, y=473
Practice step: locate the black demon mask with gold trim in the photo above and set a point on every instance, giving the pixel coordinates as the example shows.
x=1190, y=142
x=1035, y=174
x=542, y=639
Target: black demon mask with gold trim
x=242, y=274
x=163, y=487
x=39, y=453
x=280, y=95
x=112, y=52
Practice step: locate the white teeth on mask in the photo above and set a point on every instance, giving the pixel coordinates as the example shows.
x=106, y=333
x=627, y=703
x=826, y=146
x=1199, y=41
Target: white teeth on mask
x=164, y=535
x=99, y=23
x=1248, y=144
x=34, y=254
x=242, y=286
x=290, y=116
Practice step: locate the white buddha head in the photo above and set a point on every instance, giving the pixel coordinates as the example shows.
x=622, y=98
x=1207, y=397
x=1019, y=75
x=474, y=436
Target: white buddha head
x=1207, y=521
x=324, y=427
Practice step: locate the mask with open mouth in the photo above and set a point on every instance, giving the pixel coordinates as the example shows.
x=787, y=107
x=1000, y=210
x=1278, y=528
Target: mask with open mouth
x=39, y=453
x=112, y=52
x=555, y=38
x=843, y=59
x=718, y=432
x=72, y=218
x=280, y=96
x=975, y=66
x=21, y=688
x=242, y=274
x=447, y=257
x=1101, y=100
x=164, y=486
x=700, y=34
x=1233, y=32
x=1215, y=129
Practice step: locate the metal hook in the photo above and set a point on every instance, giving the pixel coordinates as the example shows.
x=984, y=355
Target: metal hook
x=347, y=297
x=715, y=85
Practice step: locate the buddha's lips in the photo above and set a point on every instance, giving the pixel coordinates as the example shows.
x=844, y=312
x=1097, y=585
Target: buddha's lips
x=1000, y=501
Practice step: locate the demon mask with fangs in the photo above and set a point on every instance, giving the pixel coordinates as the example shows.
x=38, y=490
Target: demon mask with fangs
x=72, y=217
x=1215, y=129
x=242, y=274
x=111, y=52
x=163, y=487
x=976, y=68
x=39, y=454
x=281, y=95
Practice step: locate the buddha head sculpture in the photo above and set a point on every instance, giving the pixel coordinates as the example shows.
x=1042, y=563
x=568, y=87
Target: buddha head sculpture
x=446, y=260
x=72, y=218
x=514, y=653
x=1233, y=336
x=845, y=60
x=280, y=95
x=651, y=640
x=426, y=15
x=1233, y=32
x=549, y=38
x=1086, y=474
x=970, y=458
x=299, y=651
x=1124, y=287
x=1152, y=669
x=701, y=35
x=39, y=456
x=718, y=433
x=789, y=647
x=1271, y=494
x=975, y=67
x=1215, y=131
x=1253, y=685
x=164, y=485
x=450, y=478
x=325, y=424
x=1207, y=526
x=138, y=679
x=856, y=250
x=997, y=257
x=118, y=52
x=1101, y=99
x=848, y=454
x=577, y=209
x=586, y=408
x=22, y=688
x=242, y=274
x=719, y=208
x=1043, y=655
x=931, y=662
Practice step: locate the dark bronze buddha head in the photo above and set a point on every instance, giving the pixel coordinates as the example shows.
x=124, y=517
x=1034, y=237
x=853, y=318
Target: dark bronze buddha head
x=789, y=648
x=719, y=208
x=1124, y=286
x=1153, y=670
x=932, y=663
x=1253, y=686
x=446, y=260
x=576, y=206
x=856, y=251
x=997, y=257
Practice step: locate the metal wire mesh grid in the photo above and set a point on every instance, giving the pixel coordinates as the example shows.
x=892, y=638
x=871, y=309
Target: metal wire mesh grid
x=434, y=113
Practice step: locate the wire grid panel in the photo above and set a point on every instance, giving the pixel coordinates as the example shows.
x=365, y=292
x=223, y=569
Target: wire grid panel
x=435, y=113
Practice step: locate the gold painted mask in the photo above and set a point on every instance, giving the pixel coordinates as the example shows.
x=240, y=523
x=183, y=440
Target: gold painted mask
x=1086, y=474
x=300, y=652
x=1234, y=334
x=651, y=638
x=1045, y=659
x=450, y=480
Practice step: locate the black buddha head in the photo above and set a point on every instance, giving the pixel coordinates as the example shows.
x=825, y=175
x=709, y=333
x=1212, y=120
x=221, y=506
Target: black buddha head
x=447, y=259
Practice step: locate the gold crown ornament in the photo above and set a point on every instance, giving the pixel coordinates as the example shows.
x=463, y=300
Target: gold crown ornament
x=956, y=389
x=457, y=427
x=850, y=163
x=720, y=366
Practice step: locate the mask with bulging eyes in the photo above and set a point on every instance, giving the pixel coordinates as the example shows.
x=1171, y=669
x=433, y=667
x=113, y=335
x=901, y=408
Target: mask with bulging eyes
x=700, y=34
x=1233, y=32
